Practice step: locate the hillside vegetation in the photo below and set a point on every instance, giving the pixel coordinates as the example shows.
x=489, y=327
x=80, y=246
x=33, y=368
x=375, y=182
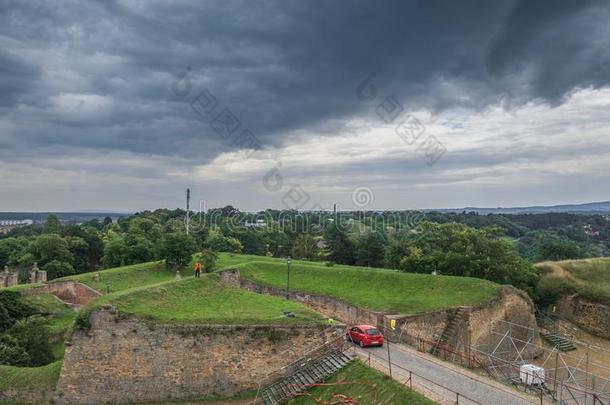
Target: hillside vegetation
x=590, y=278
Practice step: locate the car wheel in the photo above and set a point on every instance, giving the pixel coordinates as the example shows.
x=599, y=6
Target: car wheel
x=361, y=343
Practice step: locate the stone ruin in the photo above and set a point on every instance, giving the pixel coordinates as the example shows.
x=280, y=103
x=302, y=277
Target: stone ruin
x=7, y=278
x=37, y=275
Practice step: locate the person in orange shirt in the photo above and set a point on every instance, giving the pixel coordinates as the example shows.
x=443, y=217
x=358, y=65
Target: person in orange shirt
x=198, y=270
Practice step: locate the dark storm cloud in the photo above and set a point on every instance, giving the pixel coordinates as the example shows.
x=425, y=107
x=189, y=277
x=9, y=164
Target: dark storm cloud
x=99, y=74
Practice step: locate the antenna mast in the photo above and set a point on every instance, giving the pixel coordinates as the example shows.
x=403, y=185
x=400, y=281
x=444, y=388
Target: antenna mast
x=188, y=209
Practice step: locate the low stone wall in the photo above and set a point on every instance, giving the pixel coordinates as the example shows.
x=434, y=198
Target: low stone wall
x=128, y=360
x=591, y=316
x=71, y=292
x=22, y=396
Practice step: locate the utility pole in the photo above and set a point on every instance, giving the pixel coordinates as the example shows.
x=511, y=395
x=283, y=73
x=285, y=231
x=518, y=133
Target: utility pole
x=188, y=210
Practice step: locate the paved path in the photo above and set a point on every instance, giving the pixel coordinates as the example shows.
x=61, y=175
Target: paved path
x=452, y=378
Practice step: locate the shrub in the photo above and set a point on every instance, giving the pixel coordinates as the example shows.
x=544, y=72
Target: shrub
x=12, y=353
x=34, y=336
x=550, y=289
x=15, y=306
x=209, y=259
x=56, y=269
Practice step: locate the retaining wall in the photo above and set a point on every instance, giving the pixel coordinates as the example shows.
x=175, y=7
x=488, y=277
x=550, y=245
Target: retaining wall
x=510, y=304
x=591, y=316
x=128, y=360
x=71, y=292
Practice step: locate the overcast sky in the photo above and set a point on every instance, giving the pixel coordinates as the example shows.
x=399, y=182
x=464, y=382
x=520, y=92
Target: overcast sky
x=372, y=104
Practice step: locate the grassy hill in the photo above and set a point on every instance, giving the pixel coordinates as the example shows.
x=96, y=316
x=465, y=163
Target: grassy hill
x=375, y=289
x=590, y=278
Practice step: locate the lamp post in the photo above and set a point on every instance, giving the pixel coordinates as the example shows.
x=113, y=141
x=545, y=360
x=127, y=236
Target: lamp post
x=288, y=261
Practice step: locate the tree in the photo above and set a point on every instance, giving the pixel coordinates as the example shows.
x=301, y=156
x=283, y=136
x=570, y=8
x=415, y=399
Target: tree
x=80, y=251
x=11, y=249
x=139, y=249
x=107, y=222
x=220, y=243
x=305, y=247
x=34, y=336
x=56, y=269
x=459, y=250
x=52, y=225
x=208, y=259
x=340, y=248
x=370, y=250
x=177, y=249
x=46, y=248
x=115, y=252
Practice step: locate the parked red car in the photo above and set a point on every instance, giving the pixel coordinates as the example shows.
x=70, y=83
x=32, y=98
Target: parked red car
x=364, y=335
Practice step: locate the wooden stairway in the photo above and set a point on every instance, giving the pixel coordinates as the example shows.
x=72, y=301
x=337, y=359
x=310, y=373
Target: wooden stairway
x=315, y=372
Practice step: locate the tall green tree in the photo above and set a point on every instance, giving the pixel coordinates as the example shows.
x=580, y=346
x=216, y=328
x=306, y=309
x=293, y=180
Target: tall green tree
x=52, y=225
x=370, y=249
x=177, y=249
x=339, y=248
x=305, y=247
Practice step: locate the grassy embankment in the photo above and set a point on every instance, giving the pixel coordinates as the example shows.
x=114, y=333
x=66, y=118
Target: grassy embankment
x=376, y=289
x=365, y=385
x=590, y=278
x=150, y=290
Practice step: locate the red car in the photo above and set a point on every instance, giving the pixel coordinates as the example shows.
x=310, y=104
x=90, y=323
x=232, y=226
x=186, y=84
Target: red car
x=364, y=335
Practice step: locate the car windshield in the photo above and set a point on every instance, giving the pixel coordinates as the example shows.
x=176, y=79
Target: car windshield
x=372, y=332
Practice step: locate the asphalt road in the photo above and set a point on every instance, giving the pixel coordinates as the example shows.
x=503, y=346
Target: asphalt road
x=452, y=378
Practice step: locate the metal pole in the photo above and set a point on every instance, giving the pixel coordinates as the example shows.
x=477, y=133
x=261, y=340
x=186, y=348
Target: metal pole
x=556, y=362
x=288, y=279
x=389, y=358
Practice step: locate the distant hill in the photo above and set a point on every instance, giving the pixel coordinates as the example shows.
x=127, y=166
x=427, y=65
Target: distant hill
x=588, y=208
x=67, y=217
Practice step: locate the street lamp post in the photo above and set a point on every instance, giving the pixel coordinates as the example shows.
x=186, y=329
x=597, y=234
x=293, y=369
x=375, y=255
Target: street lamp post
x=288, y=261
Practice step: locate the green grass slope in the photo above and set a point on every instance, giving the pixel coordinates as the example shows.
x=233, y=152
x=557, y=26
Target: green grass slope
x=24, y=378
x=207, y=300
x=375, y=289
x=365, y=385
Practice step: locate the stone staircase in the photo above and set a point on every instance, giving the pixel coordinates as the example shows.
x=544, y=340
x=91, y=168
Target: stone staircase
x=450, y=334
x=314, y=372
x=560, y=342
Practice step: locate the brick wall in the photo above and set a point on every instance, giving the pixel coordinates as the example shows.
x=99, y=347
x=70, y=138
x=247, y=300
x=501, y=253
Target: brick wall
x=128, y=360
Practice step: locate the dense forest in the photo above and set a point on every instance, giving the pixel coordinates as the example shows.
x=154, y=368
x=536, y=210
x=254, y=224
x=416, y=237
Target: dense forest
x=499, y=247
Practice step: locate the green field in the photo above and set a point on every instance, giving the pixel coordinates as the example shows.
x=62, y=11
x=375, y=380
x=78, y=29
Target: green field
x=207, y=300
x=365, y=385
x=40, y=378
x=375, y=289
x=123, y=278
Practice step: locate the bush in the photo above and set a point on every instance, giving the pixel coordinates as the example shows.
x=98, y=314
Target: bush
x=12, y=353
x=209, y=259
x=550, y=289
x=34, y=336
x=56, y=269
x=329, y=264
x=15, y=306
